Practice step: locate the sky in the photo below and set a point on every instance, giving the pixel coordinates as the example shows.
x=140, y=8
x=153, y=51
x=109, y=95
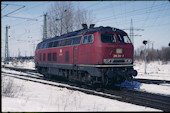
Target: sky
x=24, y=34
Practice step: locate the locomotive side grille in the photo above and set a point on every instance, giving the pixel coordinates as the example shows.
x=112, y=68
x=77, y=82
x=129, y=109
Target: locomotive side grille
x=117, y=61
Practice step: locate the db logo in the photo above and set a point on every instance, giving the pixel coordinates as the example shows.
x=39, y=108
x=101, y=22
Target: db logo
x=61, y=52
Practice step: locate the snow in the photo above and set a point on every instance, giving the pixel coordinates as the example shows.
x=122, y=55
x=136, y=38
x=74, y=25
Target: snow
x=21, y=64
x=154, y=70
x=36, y=97
x=163, y=89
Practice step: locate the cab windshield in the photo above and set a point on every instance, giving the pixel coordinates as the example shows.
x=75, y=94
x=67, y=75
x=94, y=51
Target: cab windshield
x=108, y=38
x=123, y=38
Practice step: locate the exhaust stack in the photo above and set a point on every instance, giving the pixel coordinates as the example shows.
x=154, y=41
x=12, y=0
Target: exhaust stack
x=92, y=25
x=84, y=26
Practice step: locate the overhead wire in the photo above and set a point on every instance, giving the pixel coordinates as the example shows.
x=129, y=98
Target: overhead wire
x=4, y=7
x=22, y=11
x=146, y=19
x=13, y=11
x=23, y=22
x=129, y=12
x=36, y=6
x=131, y=15
x=157, y=17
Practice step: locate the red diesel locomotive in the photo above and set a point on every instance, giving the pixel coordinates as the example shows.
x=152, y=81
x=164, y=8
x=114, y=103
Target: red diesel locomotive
x=92, y=55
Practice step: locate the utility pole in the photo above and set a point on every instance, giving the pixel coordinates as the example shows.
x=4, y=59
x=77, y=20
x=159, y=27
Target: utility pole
x=145, y=42
x=19, y=53
x=25, y=53
x=153, y=45
x=33, y=47
x=132, y=33
x=45, y=27
x=6, y=46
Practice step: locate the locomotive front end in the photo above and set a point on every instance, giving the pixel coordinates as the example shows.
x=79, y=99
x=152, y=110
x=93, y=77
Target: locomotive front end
x=117, y=56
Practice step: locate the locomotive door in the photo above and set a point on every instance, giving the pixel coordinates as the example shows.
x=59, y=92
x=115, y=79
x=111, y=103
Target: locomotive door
x=75, y=54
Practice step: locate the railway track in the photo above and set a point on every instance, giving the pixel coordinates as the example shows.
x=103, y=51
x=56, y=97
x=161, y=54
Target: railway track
x=152, y=81
x=122, y=94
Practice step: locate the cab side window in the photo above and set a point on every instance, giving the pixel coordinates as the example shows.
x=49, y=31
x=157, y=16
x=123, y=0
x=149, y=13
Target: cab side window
x=50, y=45
x=76, y=40
x=88, y=39
x=85, y=40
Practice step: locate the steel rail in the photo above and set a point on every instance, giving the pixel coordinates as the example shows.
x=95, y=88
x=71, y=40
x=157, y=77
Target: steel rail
x=152, y=81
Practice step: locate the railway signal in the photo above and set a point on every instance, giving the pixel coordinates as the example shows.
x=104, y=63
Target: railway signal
x=145, y=42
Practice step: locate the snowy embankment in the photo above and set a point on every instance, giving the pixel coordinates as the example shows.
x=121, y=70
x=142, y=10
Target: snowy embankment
x=30, y=96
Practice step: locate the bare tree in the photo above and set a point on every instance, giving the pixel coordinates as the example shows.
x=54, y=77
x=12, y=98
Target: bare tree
x=81, y=17
x=63, y=18
x=165, y=54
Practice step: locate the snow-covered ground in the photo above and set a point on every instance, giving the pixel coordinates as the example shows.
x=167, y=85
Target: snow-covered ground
x=26, y=64
x=30, y=96
x=154, y=70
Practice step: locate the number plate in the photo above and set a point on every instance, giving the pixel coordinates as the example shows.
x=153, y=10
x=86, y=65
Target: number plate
x=119, y=51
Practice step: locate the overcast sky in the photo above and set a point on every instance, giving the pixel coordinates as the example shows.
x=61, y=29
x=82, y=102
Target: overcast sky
x=152, y=16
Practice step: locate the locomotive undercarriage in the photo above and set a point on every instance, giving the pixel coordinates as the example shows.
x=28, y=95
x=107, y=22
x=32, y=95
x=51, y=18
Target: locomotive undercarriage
x=118, y=75
x=89, y=75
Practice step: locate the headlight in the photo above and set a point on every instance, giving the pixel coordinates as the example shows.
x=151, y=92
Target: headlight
x=128, y=60
x=108, y=61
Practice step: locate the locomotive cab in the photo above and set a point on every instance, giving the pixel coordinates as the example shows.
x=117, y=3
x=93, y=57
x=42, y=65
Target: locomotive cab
x=117, y=48
x=117, y=54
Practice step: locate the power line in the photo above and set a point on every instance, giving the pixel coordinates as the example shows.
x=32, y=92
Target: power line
x=156, y=18
x=23, y=18
x=31, y=7
x=35, y=19
x=106, y=7
x=13, y=11
x=11, y=4
x=120, y=23
x=130, y=12
x=4, y=7
x=89, y=6
x=149, y=12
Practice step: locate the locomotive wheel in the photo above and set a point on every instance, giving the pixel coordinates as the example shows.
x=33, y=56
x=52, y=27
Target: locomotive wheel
x=106, y=81
x=47, y=76
x=120, y=80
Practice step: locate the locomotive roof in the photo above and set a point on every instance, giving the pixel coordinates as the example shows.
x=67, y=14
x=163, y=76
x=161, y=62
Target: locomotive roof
x=85, y=31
